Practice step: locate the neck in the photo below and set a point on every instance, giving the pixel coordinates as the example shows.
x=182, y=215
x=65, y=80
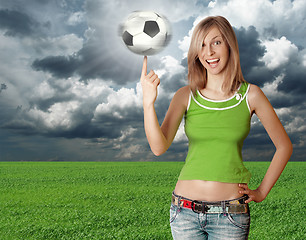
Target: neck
x=215, y=82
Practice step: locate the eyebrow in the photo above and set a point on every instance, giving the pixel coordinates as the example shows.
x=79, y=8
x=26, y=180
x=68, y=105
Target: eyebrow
x=214, y=38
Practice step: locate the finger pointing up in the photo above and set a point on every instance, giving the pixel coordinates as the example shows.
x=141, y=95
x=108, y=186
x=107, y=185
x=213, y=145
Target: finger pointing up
x=144, y=67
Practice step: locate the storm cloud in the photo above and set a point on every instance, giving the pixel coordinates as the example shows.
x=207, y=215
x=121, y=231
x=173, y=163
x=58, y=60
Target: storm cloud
x=70, y=88
x=15, y=23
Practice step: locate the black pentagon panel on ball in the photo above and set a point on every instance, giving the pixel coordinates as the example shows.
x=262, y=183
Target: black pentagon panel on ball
x=127, y=38
x=151, y=28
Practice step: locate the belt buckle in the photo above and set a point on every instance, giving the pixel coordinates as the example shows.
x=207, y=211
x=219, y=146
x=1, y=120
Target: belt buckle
x=198, y=207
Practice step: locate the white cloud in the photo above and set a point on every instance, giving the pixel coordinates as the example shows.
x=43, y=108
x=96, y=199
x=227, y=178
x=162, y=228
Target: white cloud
x=127, y=133
x=296, y=125
x=43, y=91
x=76, y=18
x=243, y=12
x=170, y=65
x=118, y=102
x=91, y=90
x=278, y=52
x=59, y=115
x=212, y=4
x=129, y=152
x=184, y=45
x=270, y=89
x=262, y=13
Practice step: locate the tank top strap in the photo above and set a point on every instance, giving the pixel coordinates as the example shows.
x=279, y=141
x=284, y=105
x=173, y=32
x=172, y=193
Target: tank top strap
x=243, y=89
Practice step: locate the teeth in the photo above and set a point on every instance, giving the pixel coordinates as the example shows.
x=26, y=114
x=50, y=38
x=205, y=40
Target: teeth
x=212, y=60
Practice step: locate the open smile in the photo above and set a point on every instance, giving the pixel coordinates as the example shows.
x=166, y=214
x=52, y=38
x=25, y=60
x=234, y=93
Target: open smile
x=213, y=62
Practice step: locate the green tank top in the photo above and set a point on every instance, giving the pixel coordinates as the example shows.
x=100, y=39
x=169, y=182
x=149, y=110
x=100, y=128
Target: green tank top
x=216, y=131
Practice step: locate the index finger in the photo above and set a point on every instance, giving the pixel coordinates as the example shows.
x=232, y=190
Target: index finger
x=144, y=66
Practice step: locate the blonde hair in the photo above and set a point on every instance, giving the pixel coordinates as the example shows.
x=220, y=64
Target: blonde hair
x=197, y=74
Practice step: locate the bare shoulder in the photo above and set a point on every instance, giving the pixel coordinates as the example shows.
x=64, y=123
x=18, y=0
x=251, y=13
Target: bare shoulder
x=184, y=91
x=255, y=97
x=182, y=95
x=254, y=92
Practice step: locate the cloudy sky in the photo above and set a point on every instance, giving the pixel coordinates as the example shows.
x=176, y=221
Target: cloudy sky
x=70, y=88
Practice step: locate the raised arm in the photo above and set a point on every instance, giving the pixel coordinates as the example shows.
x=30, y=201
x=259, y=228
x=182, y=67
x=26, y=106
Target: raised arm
x=261, y=106
x=160, y=138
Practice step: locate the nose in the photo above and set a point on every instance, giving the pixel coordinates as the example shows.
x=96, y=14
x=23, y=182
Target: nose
x=209, y=50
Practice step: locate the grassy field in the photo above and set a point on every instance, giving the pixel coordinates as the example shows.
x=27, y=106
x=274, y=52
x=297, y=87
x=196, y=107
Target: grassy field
x=95, y=200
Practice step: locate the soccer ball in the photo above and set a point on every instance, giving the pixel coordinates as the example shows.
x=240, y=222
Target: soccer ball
x=145, y=32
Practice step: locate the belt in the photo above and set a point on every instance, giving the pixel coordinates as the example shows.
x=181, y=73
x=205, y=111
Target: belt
x=228, y=206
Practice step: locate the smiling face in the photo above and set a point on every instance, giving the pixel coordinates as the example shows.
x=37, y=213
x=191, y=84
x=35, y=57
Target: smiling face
x=214, y=54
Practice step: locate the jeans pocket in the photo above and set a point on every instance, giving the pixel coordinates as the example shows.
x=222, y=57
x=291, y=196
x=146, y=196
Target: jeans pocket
x=174, y=210
x=241, y=220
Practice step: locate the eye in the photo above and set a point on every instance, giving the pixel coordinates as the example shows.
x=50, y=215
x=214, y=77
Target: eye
x=218, y=42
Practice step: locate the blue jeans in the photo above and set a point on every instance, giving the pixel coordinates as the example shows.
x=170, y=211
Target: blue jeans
x=187, y=224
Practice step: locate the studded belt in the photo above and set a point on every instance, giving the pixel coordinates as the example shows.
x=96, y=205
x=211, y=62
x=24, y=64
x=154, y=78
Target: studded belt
x=228, y=206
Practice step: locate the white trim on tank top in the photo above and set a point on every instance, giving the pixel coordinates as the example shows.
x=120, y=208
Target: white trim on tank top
x=209, y=108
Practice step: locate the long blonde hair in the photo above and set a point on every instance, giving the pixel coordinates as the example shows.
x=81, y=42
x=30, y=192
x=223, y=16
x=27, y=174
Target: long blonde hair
x=197, y=74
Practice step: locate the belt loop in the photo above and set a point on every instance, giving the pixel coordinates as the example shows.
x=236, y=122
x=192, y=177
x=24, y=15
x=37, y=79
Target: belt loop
x=179, y=201
x=223, y=207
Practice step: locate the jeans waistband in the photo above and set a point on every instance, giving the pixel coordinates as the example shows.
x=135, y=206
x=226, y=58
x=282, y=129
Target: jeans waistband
x=240, y=200
x=236, y=205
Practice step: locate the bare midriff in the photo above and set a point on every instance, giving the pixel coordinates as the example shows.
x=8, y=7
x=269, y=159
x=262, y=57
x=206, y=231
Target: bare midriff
x=207, y=190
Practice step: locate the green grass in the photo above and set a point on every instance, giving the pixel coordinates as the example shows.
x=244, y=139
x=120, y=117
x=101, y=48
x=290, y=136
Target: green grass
x=55, y=200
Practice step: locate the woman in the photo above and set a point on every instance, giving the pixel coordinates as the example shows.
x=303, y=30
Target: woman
x=210, y=200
